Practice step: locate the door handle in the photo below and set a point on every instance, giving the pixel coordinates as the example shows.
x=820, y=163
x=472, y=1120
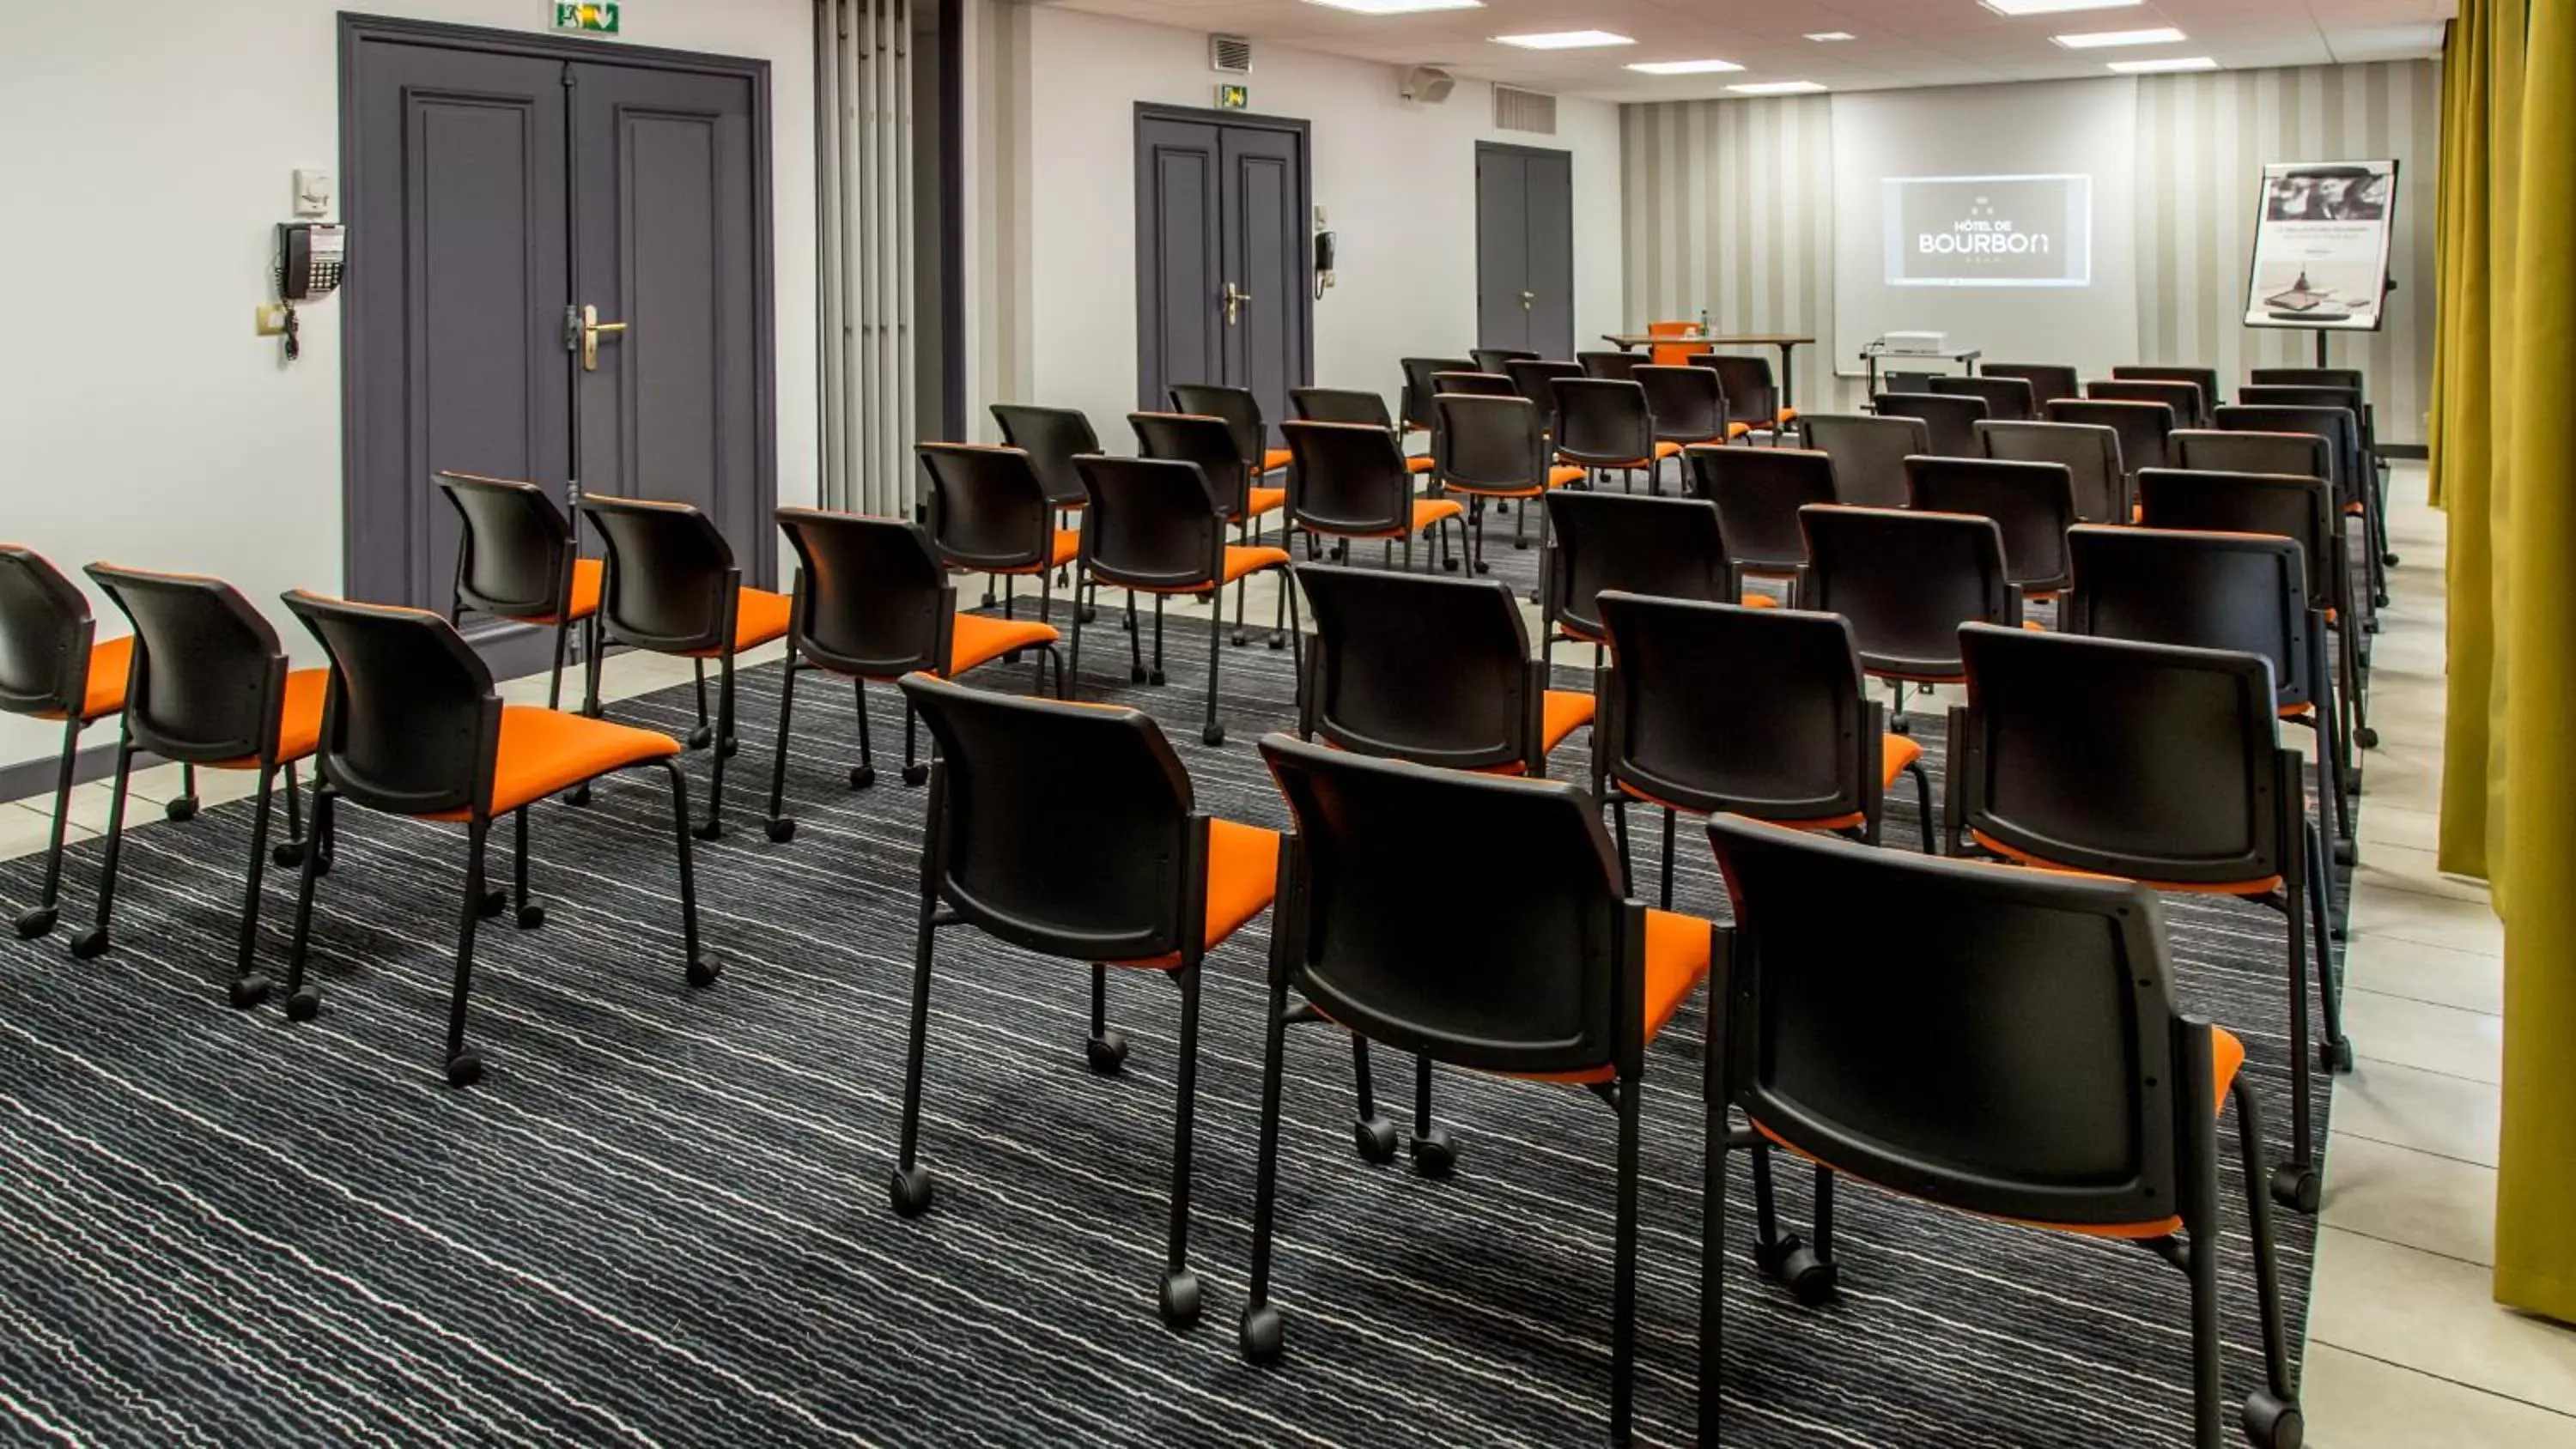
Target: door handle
x=591, y=327
x=1526, y=299
x=1235, y=300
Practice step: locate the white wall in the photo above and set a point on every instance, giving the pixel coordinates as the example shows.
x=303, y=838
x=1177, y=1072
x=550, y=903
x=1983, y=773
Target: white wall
x=149, y=144
x=1398, y=179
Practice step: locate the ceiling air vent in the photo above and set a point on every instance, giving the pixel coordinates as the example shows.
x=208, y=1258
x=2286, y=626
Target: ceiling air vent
x=1519, y=110
x=1230, y=54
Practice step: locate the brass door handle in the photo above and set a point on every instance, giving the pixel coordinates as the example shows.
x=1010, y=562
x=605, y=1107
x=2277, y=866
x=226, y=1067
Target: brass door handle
x=1526, y=299
x=1235, y=300
x=591, y=327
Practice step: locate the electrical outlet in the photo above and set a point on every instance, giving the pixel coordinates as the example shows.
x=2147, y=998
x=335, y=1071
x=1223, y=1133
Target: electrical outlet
x=269, y=319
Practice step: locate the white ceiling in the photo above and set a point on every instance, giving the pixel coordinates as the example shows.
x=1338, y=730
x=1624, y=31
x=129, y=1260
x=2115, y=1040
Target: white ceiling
x=1896, y=43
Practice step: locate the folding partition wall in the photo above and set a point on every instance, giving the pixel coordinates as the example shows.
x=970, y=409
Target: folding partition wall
x=864, y=254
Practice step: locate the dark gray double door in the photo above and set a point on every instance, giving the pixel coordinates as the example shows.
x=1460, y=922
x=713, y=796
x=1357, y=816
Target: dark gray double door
x=1525, y=249
x=492, y=198
x=1221, y=258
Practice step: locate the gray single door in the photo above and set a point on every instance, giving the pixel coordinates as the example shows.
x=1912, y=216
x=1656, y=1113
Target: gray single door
x=1180, y=257
x=1263, y=212
x=1222, y=267
x=1525, y=249
x=1550, y=210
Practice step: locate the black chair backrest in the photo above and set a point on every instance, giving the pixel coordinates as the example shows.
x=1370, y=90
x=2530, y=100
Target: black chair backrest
x=45, y=635
x=209, y=674
x=410, y=721
x=1418, y=391
x=671, y=575
x=989, y=509
x=1600, y=421
x=1003, y=761
x=2204, y=378
x=1347, y=478
x=2008, y=399
x=1240, y=409
x=2048, y=380
x=1869, y=453
x=872, y=598
x=2340, y=429
x=2213, y=450
x=2033, y=503
x=2153, y=761
x=1537, y=381
x=2190, y=405
x=1496, y=359
x=1493, y=443
x=1432, y=670
x=2301, y=509
x=1746, y=381
x=514, y=557
x=1952, y=420
x=2299, y=395
x=2089, y=452
x=2242, y=591
x=1758, y=492
x=1616, y=366
x=1201, y=439
x=1686, y=403
x=1543, y=977
x=1907, y=581
x=1154, y=522
x=2350, y=377
x=1053, y=438
x=1479, y=384
x=1666, y=548
x=1717, y=707
x=1339, y=405
x=2143, y=426
x=2025, y=1063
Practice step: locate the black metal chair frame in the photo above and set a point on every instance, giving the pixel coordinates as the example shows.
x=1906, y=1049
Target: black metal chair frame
x=1394, y=526
x=552, y=545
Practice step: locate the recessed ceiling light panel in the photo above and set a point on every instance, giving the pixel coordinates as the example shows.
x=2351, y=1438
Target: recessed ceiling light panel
x=1398, y=7
x=1776, y=88
x=1830, y=35
x=2098, y=39
x=2054, y=7
x=1683, y=67
x=1564, y=40
x=2171, y=62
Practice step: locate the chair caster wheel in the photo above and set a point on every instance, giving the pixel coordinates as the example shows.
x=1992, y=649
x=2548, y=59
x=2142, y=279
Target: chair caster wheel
x=1449, y=565
x=1376, y=1139
x=1089, y=613
x=1435, y=1154
x=1238, y=638
x=2295, y=1186
x=780, y=831
x=2366, y=737
x=578, y=794
x=862, y=776
x=531, y=917
x=1106, y=1052
x=2379, y=601
x=1136, y=674
x=2271, y=1424
x=464, y=1069
x=494, y=903
x=35, y=921
x=2335, y=1056
x=2344, y=853
x=712, y=830
x=289, y=855
x=732, y=746
x=249, y=991
x=911, y=1190
x=1155, y=678
x=1901, y=725
x=915, y=774
x=183, y=808
x=304, y=1005
x=1521, y=543
x=1011, y=658
x=89, y=943
x=1483, y=567
x=1214, y=734
x=1278, y=641
x=1180, y=1299
x=1262, y=1333
x=704, y=971
x=699, y=737
x=1808, y=1278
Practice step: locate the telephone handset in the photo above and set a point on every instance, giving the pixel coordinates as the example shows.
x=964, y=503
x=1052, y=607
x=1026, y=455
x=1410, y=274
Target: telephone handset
x=310, y=257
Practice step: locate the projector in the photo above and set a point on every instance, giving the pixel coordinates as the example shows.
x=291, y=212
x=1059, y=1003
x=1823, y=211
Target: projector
x=1914, y=344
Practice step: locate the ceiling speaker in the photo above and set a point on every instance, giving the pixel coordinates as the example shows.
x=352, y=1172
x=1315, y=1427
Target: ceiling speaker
x=1428, y=84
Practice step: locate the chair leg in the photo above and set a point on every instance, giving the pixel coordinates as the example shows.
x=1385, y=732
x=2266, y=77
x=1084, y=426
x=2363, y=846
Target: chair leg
x=465, y=1068
x=1808, y=1272
x=1435, y=1152
x=1212, y=732
x=2200, y=1263
x=93, y=941
x=531, y=915
x=864, y=773
x=1623, y=1301
x=2335, y=1055
x=713, y=828
x=304, y=1002
x=1296, y=628
x=1712, y=1269
x=914, y=772
x=2272, y=1413
x=1243, y=532
x=1373, y=1131
x=1667, y=893
x=699, y=737
x=554, y=680
x=1923, y=807
x=185, y=807
x=702, y=968
x=1262, y=1329
x=780, y=828
x=1619, y=819
x=1081, y=611
x=591, y=653
x=912, y=1188
x=39, y=918
x=1157, y=676
x=249, y=987
x=290, y=853
x=2294, y=1180
x=1046, y=615
x=1107, y=1048
x=1180, y=1292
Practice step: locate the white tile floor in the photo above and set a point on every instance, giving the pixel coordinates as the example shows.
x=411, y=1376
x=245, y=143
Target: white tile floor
x=2405, y=1347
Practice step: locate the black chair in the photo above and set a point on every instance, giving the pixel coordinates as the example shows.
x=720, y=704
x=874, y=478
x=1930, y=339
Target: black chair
x=1869, y=453
x=2296, y=454
x=1537, y=381
x=1418, y=389
x=1157, y=527
x=2027, y=1064
x=1950, y=418
x=2048, y=380
x=1348, y=481
x=2033, y=503
x=411, y=726
x=1350, y=405
x=2348, y=379
x=1614, y=366
x=519, y=559
x=1436, y=671
x=2204, y=378
x=1052, y=438
x=990, y=513
x=1242, y=414
x=2089, y=452
x=1157, y=884
x=1477, y=384
x=1665, y=548
x=1211, y=443
x=1492, y=449
x=1605, y=427
x=2143, y=427
x=1751, y=395
x=874, y=602
x=207, y=684
x=1571, y=982
x=52, y=667
x=2007, y=399
x=2354, y=478
x=673, y=588
x=2157, y=763
x=1496, y=359
x=2190, y=405
x=1712, y=709
x=1906, y=580
x=1758, y=492
x=1687, y=405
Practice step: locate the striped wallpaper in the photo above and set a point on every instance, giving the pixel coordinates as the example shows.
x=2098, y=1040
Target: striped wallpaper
x=1730, y=206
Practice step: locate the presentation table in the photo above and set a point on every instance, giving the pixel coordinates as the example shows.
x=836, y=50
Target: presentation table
x=1631, y=341
x=1872, y=355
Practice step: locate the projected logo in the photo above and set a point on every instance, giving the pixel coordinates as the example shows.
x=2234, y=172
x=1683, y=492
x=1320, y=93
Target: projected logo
x=1988, y=231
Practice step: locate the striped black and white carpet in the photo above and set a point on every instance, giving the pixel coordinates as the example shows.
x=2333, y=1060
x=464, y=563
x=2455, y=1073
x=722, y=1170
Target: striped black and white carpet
x=663, y=1219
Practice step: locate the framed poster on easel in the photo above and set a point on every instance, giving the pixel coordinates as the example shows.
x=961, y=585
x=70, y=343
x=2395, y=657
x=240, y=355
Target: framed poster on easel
x=2321, y=231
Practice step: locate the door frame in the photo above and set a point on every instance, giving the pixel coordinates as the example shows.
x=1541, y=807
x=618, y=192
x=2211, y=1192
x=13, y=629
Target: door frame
x=1512, y=148
x=357, y=30
x=1304, y=131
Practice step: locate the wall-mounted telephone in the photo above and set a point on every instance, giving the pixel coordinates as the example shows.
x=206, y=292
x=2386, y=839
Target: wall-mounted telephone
x=310, y=256
x=1325, y=249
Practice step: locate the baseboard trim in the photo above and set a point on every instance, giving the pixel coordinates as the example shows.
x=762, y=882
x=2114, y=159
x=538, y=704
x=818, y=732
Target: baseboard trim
x=2412, y=452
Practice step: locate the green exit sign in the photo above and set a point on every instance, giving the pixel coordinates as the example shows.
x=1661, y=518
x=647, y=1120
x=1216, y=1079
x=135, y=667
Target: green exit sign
x=1233, y=98
x=596, y=16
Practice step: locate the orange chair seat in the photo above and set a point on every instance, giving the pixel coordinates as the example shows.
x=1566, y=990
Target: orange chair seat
x=543, y=751
x=1560, y=713
x=1738, y=430
x=1419, y=464
x=1242, y=876
x=299, y=721
x=979, y=640
x=760, y=617
x=1259, y=501
x=1563, y=477
x=109, y=664
x=588, y=574
x=1067, y=547
x=1676, y=959
x=1274, y=459
x=2264, y=886
x=1426, y=513
x=2227, y=1058
x=1787, y=415
x=1239, y=560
